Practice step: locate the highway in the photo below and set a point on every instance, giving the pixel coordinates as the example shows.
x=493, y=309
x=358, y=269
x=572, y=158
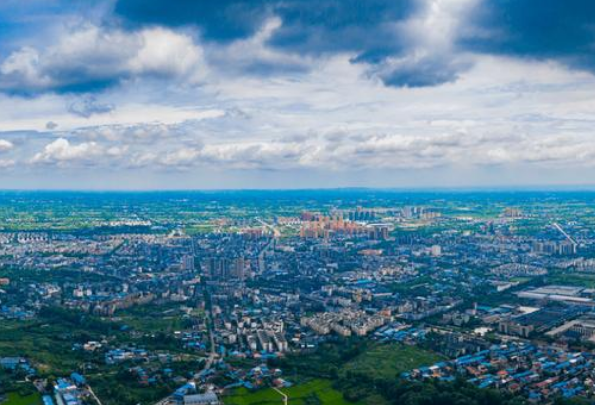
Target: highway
x=563, y=232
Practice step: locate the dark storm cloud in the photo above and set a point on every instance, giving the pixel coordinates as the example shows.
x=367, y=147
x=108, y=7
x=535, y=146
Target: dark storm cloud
x=562, y=30
x=308, y=27
x=221, y=20
x=366, y=28
x=378, y=33
x=425, y=73
x=542, y=29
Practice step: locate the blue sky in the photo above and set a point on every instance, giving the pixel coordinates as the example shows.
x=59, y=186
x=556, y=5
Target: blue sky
x=160, y=94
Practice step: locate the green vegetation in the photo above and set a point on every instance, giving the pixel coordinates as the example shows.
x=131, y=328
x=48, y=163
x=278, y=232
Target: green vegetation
x=119, y=388
x=350, y=362
x=399, y=392
x=413, y=287
x=389, y=360
x=14, y=398
x=574, y=279
x=48, y=343
x=368, y=374
x=57, y=275
x=152, y=318
x=317, y=391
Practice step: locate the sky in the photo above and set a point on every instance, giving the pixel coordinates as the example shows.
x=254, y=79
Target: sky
x=202, y=94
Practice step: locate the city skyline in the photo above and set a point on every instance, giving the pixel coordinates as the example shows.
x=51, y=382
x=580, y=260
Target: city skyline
x=135, y=95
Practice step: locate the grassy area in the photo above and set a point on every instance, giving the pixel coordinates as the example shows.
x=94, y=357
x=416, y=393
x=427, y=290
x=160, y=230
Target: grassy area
x=521, y=280
x=13, y=398
x=49, y=345
x=152, y=323
x=390, y=360
x=344, y=365
x=579, y=280
x=317, y=391
x=112, y=389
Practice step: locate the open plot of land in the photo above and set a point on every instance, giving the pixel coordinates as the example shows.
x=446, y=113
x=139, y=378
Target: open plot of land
x=579, y=280
x=390, y=360
x=13, y=398
x=316, y=391
x=48, y=345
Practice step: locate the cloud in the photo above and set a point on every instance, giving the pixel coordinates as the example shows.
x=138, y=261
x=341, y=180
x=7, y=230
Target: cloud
x=62, y=151
x=404, y=43
x=253, y=55
x=534, y=29
x=407, y=43
x=426, y=71
x=143, y=133
x=87, y=106
x=7, y=163
x=5, y=145
x=86, y=58
x=342, y=26
x=431, y=56
x=223, y=20
x=347, y=87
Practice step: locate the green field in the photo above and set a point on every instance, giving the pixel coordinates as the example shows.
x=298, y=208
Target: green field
x=574, y=279
x=317, y=391
x=49, y=346
x=13, y=398
x=379, y=361
x=390, y=360
x=150, y=318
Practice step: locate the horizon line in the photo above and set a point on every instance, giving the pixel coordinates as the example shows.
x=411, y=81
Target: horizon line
x=503, y=188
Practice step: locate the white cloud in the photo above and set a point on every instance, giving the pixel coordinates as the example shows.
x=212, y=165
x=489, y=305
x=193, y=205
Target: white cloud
x=253, y=56
x=7, y=163
x=430, y=57
x=5, y=145
x=166, y=53
x=87, y=57
x=331, y=117
x=61, y=151
x=500, y=113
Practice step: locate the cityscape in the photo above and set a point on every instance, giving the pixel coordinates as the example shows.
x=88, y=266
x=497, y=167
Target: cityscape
x=294, y=202
x=326, y=297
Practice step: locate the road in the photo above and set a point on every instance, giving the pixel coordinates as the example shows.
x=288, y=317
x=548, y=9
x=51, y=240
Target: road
x=209, y=313
x=93, y=395
x=563, y=232
x=267, y=247
x=213, y=352
x=285, y=397
x=276, y=232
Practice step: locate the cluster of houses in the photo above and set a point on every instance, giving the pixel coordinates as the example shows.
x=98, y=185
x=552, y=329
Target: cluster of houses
x=71, y=391
x=538, y=372
x=15, y=312
x=344, y=323
x=401, y=332
x=17, y=364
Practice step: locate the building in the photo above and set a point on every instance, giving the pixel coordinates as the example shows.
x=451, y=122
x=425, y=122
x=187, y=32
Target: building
x=209, y=398
x=188, y=263
x=515, y=327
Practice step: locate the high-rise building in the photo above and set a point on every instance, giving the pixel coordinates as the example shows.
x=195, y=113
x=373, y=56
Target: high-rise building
x=188, y=263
